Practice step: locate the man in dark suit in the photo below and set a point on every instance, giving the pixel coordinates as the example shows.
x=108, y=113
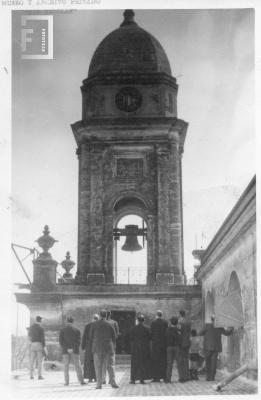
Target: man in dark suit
x=115, y=326
x=103, y=343
x=159, y=351
x=70, y=339
x=173, y=339
x=212, y=345
x=37, y=346
x=183, y=360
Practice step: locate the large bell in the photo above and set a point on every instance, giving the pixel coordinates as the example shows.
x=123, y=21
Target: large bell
x=131, y=242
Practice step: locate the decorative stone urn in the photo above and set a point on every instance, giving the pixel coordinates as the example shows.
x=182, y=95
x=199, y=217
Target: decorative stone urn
x=44, y=274
x=67, y=264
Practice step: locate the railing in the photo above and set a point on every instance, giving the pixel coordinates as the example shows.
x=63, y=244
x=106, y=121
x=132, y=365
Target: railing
x=131, y=275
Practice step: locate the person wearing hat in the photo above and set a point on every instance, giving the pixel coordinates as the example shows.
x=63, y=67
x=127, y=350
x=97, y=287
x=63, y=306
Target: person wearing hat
x=70, y=339
x=212, y=345
x=140, y=351
x=37, y=346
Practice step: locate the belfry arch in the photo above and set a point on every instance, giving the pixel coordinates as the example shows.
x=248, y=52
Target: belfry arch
x=131, y=203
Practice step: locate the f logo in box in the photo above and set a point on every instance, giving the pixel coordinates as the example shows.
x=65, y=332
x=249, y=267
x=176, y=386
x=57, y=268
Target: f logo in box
x=37, y=37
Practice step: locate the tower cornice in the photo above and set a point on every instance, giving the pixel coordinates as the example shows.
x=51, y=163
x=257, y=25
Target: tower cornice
x=129, y=79
x=121, y=129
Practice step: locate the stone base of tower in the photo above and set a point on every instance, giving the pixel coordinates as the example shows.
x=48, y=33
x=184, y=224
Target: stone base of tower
x=163, y=278
x=124, y=301
x=95, y=279
x=90, y=279
x=179, y=279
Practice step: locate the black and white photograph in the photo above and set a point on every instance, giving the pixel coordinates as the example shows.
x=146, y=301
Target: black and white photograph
x=132, y=199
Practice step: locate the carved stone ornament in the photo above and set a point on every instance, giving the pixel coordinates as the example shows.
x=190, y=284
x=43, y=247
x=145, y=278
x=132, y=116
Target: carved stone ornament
x=129, y=168
x=46, y=241
x=67, y=264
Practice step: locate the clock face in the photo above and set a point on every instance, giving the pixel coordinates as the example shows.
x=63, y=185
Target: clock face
x=128, y=99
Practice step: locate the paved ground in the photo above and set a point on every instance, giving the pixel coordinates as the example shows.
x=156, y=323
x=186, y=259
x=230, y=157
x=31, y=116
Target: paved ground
x=52, y=387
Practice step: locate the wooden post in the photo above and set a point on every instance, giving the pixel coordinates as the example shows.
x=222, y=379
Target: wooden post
x=252, y=366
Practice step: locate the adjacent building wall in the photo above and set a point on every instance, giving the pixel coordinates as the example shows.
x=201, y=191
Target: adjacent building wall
x=229, y=264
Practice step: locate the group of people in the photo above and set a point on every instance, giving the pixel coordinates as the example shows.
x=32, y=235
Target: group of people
x=153, y=349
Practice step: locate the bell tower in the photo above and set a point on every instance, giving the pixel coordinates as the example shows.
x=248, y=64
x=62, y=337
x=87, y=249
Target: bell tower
x=130, y=143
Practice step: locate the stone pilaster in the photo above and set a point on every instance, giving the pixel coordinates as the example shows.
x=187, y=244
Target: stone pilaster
x=84, y=213
x=175, y=211
x=108, y=251
x=96, y=270
x=164, y=273
x=151, y=247
x=181, y=208
x=44, y=273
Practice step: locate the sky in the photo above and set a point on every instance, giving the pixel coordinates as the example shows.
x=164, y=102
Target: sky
x=211, y=53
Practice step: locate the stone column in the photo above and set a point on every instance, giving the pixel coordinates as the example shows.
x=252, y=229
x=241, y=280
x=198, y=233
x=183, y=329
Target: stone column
x=181, y=207
x=84, y=213
x=164, y=273
x=151, y=241
x=175, y=211
x=96, y=271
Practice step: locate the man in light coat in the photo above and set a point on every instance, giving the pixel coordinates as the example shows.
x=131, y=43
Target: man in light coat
x=103, y=343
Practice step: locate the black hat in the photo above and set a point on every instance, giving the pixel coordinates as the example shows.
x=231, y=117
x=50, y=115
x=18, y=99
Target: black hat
x=38, y=318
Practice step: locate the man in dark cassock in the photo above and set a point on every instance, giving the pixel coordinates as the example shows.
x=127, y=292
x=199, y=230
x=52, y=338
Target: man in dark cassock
x=140, y=351
x=89, y=371
x=183, y=362
x=159, y=351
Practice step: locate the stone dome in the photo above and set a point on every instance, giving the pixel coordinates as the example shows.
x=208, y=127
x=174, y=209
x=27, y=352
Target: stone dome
x=127, y=50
